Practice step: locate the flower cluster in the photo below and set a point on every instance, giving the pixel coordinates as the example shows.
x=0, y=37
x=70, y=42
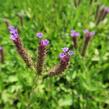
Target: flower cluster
x=42, y=50
x=13, y=33
x=43, y=43
x=39, y=34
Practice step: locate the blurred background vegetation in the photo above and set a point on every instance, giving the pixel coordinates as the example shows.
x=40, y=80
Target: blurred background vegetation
x=85, y=85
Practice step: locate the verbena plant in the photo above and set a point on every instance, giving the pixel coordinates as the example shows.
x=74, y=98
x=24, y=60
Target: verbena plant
x=74, y=82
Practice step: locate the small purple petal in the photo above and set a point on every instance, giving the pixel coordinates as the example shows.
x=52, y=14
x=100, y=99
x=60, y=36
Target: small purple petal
x=86, y=31
x=71, y=53
x=107, y=9
x=39, y=35
x=44, y=42
x=65, y=49
x=14, y=32
x=11, y=28
x=13, y=37
x=1, y=48
x=74, y=33
x=61, y=55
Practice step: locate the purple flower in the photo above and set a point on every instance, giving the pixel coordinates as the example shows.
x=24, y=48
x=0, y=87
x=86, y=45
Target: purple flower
x=39, y=35
x=13, y=37
x=88, y=33
x=1, y=48
x=13, y=33
x=107, y=9
x=65, y=49
x=64, y=57
x=11, y=28
x=44, y=42
x=74, y=33
x=71, y=53
x=61, y=55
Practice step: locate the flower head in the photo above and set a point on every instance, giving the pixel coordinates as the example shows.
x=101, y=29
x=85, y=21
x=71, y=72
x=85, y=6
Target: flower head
x=61, y=55
x=65, y=54
x=44, y=42
x=13, y=32
x=64, y=57
x=106, y=9
x=88, y=33
x=70, y=53
x=65, y=49
x=1, y=48
x=74, y=33
x=11, y=27
x=39, y=35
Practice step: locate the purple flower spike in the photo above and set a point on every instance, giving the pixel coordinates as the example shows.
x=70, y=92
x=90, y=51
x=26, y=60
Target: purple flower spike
x=74, y=33
x=65, y=49
x=44, y=42
x=19, y=45
x=39, y=35
x=71, y=53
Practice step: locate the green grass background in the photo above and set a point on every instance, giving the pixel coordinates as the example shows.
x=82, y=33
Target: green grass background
x=84, y=85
